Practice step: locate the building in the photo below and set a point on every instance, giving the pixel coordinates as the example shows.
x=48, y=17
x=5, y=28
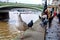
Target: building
x=55, y=2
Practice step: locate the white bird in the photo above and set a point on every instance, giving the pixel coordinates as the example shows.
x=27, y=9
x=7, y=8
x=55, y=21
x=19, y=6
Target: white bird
x=22, y=25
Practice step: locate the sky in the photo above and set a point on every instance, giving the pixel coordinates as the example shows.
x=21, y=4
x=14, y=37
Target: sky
x=27, y=1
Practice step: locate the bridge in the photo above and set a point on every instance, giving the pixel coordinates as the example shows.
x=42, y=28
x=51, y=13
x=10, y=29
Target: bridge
x=6, y=7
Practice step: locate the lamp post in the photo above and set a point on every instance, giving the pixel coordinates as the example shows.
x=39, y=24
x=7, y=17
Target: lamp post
x=45, y=6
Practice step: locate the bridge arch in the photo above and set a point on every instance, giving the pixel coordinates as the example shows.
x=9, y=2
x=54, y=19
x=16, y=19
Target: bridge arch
x=8, y=7
x=4, y=10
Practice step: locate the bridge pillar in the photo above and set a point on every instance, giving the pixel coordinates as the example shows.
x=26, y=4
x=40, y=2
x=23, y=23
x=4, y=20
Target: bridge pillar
x=4, y=16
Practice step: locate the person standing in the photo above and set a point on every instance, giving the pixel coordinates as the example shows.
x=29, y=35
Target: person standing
x=59, y=13
x=49, y=16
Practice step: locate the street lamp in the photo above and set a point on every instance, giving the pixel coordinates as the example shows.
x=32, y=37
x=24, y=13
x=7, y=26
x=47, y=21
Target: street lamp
x=45, y=6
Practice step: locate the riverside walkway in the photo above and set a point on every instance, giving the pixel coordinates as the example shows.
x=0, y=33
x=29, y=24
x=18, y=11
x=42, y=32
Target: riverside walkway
x=54, y=31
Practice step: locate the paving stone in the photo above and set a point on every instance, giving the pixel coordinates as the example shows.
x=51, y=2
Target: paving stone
x=53, y=32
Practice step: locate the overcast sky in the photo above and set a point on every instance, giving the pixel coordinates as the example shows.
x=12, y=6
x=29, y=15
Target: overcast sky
x=26, y=1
